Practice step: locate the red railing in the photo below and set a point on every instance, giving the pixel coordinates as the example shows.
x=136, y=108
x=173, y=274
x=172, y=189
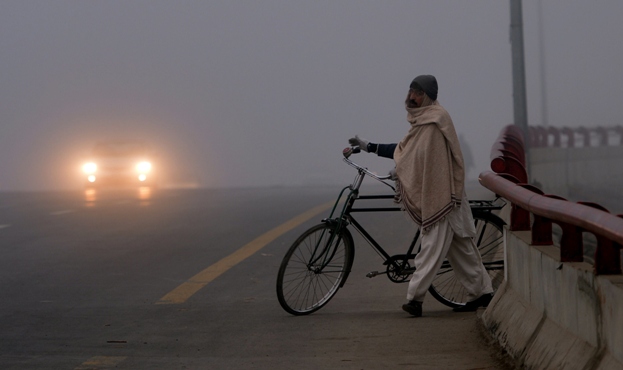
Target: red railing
x=509, y=180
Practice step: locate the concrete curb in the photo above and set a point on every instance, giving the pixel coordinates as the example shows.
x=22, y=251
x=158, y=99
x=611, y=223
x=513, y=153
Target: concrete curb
x=549, y=315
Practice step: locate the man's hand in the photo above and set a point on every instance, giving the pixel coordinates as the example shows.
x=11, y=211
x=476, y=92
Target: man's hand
x=392, y=175
x=361, y=143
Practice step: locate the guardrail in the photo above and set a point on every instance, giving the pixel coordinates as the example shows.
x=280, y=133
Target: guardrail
x=509, y=180
x=568, y=137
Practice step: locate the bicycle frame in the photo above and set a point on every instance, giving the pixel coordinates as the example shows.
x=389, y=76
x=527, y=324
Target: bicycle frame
x=346, y=218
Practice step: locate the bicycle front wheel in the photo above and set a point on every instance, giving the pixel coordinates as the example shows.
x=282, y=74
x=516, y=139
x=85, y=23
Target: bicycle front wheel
x=313, y=269
x=447, y=288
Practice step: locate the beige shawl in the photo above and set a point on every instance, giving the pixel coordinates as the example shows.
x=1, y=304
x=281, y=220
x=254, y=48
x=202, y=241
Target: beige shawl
x=429, y=166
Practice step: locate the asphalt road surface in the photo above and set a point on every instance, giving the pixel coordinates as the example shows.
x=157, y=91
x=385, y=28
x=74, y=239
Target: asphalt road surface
x=185, y=279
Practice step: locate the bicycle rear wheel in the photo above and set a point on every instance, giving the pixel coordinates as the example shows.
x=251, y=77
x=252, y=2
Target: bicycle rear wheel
x=313, y=269
x=447, y=288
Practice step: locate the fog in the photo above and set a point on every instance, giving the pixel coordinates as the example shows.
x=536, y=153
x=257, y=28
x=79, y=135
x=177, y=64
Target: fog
x=267, y=93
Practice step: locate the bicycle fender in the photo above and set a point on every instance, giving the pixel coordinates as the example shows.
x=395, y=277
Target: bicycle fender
x=346, y=234
x=334, y=223
x=488, y=214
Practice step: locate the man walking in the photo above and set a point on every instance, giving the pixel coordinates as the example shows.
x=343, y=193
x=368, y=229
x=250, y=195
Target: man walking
x=430, y=177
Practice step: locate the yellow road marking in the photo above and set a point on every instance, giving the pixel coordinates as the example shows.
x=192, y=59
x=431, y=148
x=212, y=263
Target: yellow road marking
x=195, y=283
x=101, y=362
x=58, y=213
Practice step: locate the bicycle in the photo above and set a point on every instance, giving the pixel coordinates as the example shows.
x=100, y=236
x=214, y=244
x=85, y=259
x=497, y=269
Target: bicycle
x=319, y=261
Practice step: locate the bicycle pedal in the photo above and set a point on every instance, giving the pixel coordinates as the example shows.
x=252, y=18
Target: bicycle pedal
x=373, y=274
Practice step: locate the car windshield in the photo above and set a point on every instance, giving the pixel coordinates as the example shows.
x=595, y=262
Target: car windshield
x=119, y=149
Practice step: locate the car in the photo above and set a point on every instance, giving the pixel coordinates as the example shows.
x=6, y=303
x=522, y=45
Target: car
x=120, y=163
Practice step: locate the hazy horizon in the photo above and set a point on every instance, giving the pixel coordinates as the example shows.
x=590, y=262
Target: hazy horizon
x=237, y=94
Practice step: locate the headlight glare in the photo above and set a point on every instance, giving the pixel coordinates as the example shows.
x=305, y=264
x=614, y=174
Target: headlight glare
x=143, y=167
x=89, y=168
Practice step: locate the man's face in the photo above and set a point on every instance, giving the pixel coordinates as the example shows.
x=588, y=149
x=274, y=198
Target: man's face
x=415, y=98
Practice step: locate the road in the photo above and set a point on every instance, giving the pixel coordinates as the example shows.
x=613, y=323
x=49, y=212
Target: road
x=131, y=279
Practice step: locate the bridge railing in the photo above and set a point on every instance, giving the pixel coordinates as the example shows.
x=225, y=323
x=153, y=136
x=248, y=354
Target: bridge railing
x=568, y=137
x=531, y=209
x=578, y=162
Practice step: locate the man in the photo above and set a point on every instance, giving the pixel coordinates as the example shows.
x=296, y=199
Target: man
x=430, y=177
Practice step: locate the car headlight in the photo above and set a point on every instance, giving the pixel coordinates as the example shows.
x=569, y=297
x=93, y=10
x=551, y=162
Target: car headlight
x=143, y=167
x=89, y=168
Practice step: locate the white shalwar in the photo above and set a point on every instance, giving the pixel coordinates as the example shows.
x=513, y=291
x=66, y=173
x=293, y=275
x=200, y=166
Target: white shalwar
x=450, y=238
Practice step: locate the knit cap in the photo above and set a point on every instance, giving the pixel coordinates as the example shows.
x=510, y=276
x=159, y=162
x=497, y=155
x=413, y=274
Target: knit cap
x=427, y=83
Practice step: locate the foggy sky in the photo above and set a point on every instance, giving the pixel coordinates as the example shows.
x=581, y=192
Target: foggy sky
x=262, y=93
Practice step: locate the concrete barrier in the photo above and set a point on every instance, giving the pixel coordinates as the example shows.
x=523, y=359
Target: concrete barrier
x=553, y=315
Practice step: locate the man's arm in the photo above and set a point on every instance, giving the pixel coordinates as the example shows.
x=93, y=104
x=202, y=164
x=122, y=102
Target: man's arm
x=382, y=150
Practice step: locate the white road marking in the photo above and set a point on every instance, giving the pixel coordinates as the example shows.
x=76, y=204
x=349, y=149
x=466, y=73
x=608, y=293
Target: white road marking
x=4, y=226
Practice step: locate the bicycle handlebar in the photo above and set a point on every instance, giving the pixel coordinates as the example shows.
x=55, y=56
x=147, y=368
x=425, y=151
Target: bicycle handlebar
x=347, y=153
x=482, y=205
